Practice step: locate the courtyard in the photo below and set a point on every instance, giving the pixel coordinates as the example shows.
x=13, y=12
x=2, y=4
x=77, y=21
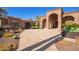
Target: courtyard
x=41, y=40
x=42, y=33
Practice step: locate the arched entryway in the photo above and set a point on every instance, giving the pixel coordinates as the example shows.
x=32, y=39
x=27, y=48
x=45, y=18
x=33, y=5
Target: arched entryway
x=67, y=18
x=53, y=20
x=43, y=23
x=27, y=25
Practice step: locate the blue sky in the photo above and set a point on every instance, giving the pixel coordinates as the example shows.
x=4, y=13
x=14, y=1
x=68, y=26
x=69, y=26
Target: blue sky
x=32, y=12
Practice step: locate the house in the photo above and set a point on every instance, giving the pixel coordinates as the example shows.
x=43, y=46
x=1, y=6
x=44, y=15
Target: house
x=16, y=23
x=55, y=18
x=52, y=20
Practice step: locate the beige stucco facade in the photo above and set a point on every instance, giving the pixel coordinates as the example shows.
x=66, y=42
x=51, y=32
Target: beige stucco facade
x=54, y=18
x=75, y=15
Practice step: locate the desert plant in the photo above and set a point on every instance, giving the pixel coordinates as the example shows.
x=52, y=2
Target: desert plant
x=35, y=26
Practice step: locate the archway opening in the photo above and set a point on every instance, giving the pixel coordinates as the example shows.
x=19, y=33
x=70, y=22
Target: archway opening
x=27, y=25
x=67, y=22
x=44, y=23
x=53, y=20
x=68, y=18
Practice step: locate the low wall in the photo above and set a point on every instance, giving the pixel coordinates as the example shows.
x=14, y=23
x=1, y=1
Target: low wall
x=72, y=35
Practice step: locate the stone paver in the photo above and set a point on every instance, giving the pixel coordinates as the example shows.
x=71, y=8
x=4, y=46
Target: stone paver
x=31, y=36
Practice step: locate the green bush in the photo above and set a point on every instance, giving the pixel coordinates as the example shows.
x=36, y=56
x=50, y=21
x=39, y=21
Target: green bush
x=34, y=26
x=71, y=27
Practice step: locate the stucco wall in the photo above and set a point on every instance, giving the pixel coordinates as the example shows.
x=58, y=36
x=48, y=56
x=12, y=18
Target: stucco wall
x=73, y=14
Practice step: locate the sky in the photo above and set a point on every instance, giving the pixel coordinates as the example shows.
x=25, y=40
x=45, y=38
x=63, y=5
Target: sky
x=32, y=12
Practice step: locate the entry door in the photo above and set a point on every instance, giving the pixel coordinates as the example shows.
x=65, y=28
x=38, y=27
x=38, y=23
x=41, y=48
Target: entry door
x=28, y=26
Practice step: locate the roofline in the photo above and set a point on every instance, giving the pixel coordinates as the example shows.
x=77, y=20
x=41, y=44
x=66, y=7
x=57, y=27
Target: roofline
x=71, y=12
x=55, y=9
x=30, y=20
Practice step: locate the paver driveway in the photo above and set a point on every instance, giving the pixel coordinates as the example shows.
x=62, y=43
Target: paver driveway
x=31, y=36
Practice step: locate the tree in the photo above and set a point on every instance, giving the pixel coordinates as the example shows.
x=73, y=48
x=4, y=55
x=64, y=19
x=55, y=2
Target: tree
x=38, y=17
x=3, y=12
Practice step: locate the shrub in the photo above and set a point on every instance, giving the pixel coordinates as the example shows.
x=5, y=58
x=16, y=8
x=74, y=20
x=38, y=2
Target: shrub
x=71, y=27
x=35, y=26
x=7, y=35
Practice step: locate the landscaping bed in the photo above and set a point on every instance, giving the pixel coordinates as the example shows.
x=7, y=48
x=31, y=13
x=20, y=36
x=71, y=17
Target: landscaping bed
x=8, y=44
x=9, y=40
x=67, y=46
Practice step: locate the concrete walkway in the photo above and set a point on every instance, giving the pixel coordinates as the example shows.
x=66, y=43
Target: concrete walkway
x=32, y=36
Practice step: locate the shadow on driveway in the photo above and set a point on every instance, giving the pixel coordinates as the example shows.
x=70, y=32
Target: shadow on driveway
x=30, y=48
